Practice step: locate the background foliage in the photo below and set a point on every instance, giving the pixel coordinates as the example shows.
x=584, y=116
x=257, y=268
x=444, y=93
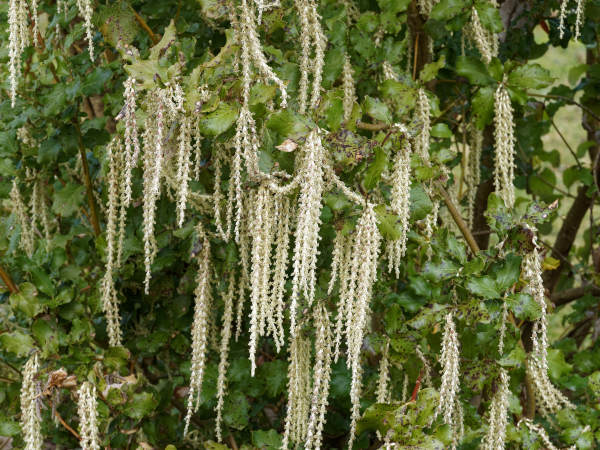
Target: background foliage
x=68, y=105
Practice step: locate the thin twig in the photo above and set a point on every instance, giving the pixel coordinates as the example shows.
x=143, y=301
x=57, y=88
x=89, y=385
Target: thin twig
x=145, y=26
x=567, y=144
x=462, y=226
x=88, y=181
x=568, y=100
x=7, y=280
x=66, y=425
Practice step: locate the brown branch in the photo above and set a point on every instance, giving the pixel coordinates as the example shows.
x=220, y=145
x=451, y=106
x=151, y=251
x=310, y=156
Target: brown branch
x=568, y=100
x=462, y=226
x=155, y=39
x=7, y=280
x=567, y=234
x=372, y=126
x=88, y=181
x=413, y=397
x=568, y=295
x=66, y=425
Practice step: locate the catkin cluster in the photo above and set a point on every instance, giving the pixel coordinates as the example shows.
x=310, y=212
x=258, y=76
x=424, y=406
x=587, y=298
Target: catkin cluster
x=203, y=300
x=504, y=161
x=579, y=12
x=498, y=416
x=307, y=227
x=20, y=211
x=31, y=404
x=400, y=204
x=449, y=361
x=312, y=39
x=87, y=410
x=549, y=399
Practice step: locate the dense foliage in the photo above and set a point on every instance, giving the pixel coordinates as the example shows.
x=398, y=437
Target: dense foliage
x=265, y=224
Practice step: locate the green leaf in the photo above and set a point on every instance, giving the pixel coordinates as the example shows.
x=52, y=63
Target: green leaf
x=378, y=416
x=508, y=272
x=140, y=405
x=375, y=169
x=236, y=410
x=483, y=106
x=66, y=201
x=446, y=9
x=94, y=82
x=430, y=71
x=594, y=383
x=46, y=336
x=220, y=120
x=473, y=70
x=268, y=440
x=420, y=203
x=288, y=124
x=377, y=109
x=27, y=300
x=530, y=76
x=542, y=184
x=388, y=223
x=484, y=287
x=489, y=16
x=441, y=130
x=9, y=428
x=523, y=306
x=16, y=342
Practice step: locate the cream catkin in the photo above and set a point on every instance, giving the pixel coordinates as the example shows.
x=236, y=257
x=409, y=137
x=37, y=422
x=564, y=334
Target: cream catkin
x=383, y=393
x=363, y=273
x=39, y=209
x=224, y=352
x=109, y=296
x=311, y=36
x=199, y=326
x=20, y=210
x=184, y=162
x=244, y=248
x=504, y=147
x=400, y=204
x=18, y=31
x=31, y=417
x=308, y=224
x=549, y=399
x=485, y=41
x=449, y=361
x=87, y=410
x=349, y=90
x=262, y=227
x=388, y=71
x=321, y=379
x=539, y=430
x=299, y=391
x=282, y=239
x=579, y=18
x=498, y=416
x=562, y=17
x=344, y=242
x=423, y=115
x=86, y=12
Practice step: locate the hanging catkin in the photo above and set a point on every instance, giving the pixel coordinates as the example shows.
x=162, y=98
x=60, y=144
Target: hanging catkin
x=31, y=418
x=343, y=248
x=349, y=90
x=400, y=204
x=299, y=390
x=579, y=18
x=485, y=41
x=504, y=147
x=498, y=416
x=199, y=326
x=18, y=31
x=224, y=352
x=262, y=227
x=363, y=273
x=244, y=249
x=321, y=379
x=110, y=302
x=449, y=361
x=308, y=224
x=20, y=211
x=539, y=430
x=311, y=38
x=184, y=162
x=87, y=410
x=282, y=239
x=548, y=398
x=383, y=392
